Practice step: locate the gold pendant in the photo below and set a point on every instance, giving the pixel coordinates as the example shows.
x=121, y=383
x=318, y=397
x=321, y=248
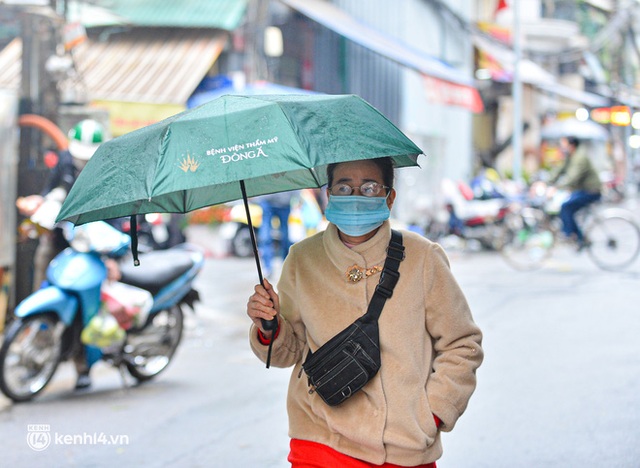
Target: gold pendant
x=355, y=273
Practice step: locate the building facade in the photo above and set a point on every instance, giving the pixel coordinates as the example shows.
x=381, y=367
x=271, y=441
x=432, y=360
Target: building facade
x=405, y=60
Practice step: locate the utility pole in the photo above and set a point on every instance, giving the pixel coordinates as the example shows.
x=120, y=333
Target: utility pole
x=38, y=95
x=255, y=65
x=517, y=95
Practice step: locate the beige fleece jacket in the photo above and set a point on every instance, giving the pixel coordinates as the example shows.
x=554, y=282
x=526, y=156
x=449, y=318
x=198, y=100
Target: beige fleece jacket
x=430, y=347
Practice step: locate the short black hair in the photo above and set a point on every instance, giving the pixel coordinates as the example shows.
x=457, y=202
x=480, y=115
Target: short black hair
x=573, y=141
x=385, y=164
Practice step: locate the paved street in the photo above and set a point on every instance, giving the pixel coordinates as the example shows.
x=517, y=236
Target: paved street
x=559, y=386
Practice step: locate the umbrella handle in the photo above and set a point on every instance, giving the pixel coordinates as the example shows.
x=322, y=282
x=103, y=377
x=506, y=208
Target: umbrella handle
x=269, y=325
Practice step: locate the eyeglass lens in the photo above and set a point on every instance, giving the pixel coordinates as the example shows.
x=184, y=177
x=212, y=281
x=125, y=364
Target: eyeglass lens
x=368, y=189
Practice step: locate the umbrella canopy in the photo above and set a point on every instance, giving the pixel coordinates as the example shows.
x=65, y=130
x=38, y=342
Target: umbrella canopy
x=197, y=158
x=229, y=148
x=584, y=130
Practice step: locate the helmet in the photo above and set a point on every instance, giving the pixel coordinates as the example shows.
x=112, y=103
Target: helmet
x=85, y=138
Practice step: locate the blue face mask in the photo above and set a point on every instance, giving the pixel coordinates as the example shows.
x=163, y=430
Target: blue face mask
x=357, y=215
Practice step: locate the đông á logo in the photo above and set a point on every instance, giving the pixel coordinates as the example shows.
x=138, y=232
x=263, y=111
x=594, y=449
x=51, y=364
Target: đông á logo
x=38, y=436
x=189, y=164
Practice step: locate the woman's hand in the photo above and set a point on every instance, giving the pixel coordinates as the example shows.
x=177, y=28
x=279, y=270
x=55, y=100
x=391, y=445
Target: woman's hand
x=263, y=304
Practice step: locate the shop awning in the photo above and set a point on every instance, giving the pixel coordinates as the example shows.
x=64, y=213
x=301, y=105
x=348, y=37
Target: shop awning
x=339, y=21
x=161, y=66
x=212, y=14
x=533, y=74
x=140, y=76
x=91, y=16
x=530, y=72
x=11, y=66
x=583, y=97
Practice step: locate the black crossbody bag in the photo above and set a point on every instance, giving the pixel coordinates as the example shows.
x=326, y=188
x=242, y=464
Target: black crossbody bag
x=345, y=363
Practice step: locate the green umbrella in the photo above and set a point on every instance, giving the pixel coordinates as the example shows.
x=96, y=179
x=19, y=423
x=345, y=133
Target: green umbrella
x=230, y=148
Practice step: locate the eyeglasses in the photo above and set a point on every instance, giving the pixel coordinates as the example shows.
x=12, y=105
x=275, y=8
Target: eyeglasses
x=368, y=189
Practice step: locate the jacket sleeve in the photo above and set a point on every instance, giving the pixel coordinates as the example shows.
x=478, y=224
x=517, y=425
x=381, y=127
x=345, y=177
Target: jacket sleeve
x=288, y=347
x=456, y=341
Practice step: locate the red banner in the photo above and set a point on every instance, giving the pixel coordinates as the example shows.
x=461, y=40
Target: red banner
x=444, y=92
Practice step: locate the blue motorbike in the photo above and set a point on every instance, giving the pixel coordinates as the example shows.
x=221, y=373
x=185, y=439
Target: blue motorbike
x=48, y=324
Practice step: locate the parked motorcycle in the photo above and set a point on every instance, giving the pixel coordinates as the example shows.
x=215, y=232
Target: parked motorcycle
x=235, y=229
x=471, y=217
x=156, y=231
x=49, y=323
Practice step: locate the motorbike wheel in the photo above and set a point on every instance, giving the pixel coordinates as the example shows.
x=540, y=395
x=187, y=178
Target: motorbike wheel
x=241, y=245
x=528, y=240
x=29, y=356
x=498, y=235
x=149, y=351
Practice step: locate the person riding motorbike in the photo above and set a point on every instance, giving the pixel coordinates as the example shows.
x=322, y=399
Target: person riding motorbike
x=84, y=139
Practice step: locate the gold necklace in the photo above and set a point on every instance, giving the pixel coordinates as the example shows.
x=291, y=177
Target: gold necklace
x=355, y=273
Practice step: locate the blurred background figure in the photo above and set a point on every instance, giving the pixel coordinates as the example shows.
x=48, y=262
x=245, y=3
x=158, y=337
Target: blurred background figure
x=277, y=205
x=43, y=208
x=311, y=213
x=579, y=177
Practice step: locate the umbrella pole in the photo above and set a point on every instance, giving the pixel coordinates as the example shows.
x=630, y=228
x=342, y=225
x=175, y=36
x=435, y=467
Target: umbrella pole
x=270, y=325
x=254, y=243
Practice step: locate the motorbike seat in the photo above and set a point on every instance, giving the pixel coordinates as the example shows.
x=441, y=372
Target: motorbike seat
x=157, y=269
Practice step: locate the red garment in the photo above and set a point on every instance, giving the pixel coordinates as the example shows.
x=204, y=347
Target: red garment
x=306, y=454
x=264, y=340
x=438, y=421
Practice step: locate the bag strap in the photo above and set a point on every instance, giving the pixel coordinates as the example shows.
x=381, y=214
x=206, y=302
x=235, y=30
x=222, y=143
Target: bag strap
x=388, y=278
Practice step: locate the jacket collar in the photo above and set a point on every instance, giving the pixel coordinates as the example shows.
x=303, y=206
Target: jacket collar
x=369, y=253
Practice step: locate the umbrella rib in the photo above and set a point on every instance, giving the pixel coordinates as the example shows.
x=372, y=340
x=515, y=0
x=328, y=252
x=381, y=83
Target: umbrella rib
x=291, y=123
x=315, y=177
